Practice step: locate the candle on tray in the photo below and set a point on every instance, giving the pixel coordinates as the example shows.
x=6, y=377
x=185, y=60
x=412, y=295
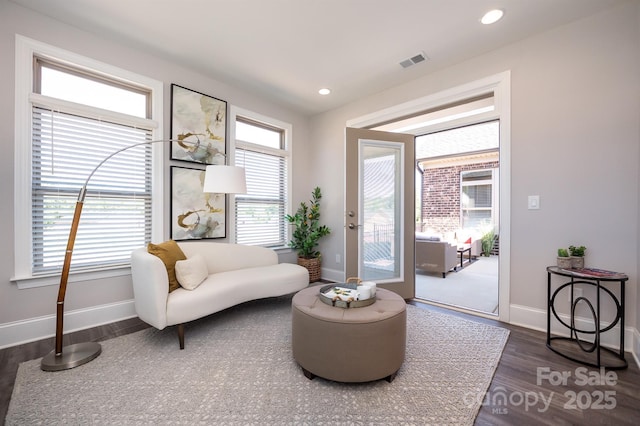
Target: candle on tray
x=371, y=285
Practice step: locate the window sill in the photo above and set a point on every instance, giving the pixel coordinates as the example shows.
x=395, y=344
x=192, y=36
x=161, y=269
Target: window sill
x=282, y=249
x=49, y=280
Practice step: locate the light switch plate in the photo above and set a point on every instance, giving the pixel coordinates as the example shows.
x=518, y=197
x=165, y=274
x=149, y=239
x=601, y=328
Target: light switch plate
x=534, y=202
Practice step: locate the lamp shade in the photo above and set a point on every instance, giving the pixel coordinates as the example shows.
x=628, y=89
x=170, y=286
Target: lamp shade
x=222, y=179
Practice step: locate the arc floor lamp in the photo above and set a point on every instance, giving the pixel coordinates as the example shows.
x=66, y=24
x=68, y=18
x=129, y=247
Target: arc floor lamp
x=221, y=179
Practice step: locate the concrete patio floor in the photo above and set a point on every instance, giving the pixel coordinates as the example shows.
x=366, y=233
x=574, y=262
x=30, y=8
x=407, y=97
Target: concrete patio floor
x=473, y=287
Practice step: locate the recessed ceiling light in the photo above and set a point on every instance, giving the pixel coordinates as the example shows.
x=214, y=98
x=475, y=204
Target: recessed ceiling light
x=324, y=91
x=492, y=16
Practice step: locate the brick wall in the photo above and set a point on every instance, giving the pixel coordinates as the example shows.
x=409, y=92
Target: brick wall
x=441, y=196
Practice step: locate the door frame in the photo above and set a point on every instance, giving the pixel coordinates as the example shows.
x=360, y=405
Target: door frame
x=500, y=85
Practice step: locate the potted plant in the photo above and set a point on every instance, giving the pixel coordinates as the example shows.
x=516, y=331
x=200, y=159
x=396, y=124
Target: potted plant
x=563, y=261
x=307, y=233
x=577, y=256
x=488, y=239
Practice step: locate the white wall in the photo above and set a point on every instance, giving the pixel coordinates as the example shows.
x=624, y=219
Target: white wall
x=637, y=301
x=575, y=137
x=26, y=313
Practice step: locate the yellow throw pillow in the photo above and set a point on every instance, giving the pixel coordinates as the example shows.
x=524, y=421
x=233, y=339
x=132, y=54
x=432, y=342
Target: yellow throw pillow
x=169, y=252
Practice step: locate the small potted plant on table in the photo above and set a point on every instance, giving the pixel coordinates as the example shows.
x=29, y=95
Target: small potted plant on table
x=563, y=261
x=307, y=233
x=577, y=256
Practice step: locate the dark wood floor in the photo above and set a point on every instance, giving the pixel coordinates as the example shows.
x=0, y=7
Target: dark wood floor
x=514, y=397
x=578, y=401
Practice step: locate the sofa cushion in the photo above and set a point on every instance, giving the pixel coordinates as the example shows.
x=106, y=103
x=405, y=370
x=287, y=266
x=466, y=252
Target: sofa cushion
x=225, y=289
x=169, y=252
x=191, y=271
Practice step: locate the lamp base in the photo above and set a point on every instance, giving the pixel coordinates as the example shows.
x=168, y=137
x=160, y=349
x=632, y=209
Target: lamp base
x=72, y=356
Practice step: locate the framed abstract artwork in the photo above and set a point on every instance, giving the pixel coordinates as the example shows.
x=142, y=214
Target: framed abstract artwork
x=195, y=215
x=199, y=125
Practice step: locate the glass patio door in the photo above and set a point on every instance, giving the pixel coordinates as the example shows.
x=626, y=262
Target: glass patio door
x=379, y=244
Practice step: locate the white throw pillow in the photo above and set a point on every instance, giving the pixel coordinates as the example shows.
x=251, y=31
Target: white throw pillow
x=191, y=272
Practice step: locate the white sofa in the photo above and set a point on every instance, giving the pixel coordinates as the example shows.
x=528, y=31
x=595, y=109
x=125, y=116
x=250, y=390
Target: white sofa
x=237, y=274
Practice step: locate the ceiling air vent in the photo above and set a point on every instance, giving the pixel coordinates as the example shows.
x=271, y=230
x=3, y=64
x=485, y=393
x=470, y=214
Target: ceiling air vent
x=420, y=57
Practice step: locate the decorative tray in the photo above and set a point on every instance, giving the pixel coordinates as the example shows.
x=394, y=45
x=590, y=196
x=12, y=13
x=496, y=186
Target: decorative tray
x=343, y=295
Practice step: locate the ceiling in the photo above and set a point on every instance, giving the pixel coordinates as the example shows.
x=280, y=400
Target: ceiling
x=286, y=50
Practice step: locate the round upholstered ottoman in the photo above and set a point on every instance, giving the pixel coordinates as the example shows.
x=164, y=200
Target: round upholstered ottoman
x=349, y=344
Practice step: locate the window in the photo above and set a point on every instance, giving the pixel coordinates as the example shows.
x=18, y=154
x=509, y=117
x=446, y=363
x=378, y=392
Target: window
x=476, y=198
x=77, y=116
x=261, y=147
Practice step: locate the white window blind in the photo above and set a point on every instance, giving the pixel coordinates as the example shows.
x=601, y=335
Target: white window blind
x=116, y=216
x=476, y=198
x=260, y=213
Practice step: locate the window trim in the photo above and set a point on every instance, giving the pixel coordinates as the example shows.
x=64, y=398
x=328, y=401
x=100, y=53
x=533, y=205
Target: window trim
x=26, y=50
x=234, y=112
x=42, y=62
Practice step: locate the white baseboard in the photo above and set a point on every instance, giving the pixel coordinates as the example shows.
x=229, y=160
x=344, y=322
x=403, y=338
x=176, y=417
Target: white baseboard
x=636, y=346
x=536, y=319
x=33, y=329
x=332, y=275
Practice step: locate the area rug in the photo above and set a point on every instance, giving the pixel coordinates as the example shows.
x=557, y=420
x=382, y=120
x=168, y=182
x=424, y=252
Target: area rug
x=237, y=369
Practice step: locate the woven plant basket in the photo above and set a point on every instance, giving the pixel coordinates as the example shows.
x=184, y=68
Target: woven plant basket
x=313, y=266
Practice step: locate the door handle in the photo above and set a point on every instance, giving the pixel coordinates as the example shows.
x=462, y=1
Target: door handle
x=353, y=225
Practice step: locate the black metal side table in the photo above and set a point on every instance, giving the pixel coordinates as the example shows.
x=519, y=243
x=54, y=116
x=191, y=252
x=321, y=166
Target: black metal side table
x=588, y=277
x=461, y=251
